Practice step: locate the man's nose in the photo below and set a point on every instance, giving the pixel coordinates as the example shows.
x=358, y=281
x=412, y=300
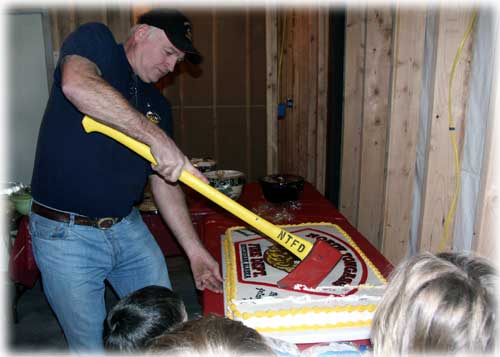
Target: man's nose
x=170, y=64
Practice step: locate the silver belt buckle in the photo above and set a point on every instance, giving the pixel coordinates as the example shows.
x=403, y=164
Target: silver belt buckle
x=105, y=223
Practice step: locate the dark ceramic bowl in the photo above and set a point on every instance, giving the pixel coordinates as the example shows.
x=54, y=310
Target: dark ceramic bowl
x=280, y=188
x=204, y=164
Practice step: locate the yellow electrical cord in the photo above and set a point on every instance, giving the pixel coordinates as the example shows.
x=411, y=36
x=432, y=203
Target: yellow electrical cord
x=451, y=212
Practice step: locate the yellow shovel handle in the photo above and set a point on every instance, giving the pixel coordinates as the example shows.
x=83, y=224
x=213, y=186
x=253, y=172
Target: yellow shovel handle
x=297, y=245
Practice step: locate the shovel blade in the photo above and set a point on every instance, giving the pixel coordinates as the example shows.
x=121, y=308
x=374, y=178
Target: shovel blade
x=314, y=268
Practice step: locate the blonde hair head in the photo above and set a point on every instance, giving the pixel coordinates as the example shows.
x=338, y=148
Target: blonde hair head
x=211, y=336
x=435, y=304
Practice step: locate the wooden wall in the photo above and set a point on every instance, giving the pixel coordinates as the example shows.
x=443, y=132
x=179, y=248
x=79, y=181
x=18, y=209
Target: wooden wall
x=219, y=107
x=220, y=111
x=65, y=19
x=382, y=108
x=302, y=75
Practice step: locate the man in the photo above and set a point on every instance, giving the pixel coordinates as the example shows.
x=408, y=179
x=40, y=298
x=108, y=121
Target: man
x=84, y=227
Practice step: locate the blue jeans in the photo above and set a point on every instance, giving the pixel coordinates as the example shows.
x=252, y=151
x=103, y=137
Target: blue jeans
x=75, y=260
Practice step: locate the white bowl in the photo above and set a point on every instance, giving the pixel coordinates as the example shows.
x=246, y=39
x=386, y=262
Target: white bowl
x=229, y=182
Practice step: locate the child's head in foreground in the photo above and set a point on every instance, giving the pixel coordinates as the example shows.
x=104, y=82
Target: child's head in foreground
x=141, y=316
x=441, y=303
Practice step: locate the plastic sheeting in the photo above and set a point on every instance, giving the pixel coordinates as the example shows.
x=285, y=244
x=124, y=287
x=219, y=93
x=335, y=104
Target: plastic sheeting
x=425, y=114
x=477, y=119
x=477, y=116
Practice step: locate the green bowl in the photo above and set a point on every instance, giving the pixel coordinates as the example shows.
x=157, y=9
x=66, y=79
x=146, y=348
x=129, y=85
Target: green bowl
x=229, y=182
x=22, y=202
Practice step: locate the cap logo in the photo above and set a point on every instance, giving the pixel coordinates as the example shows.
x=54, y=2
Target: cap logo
x=188, y=34
x=153, y=117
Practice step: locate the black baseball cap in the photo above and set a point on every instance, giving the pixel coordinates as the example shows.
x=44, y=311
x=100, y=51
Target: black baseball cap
x=177, y=27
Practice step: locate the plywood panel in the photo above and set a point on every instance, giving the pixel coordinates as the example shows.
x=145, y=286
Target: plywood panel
x=171, y=85
x=199, y=142
x=440, y=172
x=232, y=139
x=409, y=37
x=119, y=20
x=197, y=87
x=94, y=13
x=177, y=128
x=353, y=112
x=376, y=105
x=258, y=131
x=257, y=32
x=63, y=21
x=231, y=57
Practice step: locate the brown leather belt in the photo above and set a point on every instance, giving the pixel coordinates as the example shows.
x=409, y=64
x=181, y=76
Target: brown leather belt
x=101, y=223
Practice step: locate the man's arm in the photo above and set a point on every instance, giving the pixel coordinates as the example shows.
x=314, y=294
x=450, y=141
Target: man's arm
x=83, y=85
x=171, y=202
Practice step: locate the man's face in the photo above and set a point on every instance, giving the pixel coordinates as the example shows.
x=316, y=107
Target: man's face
x=157, y=56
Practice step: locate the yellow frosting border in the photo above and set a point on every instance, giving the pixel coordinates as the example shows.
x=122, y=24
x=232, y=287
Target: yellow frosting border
x=232, y=310
x=365, y=323
x=305, y=310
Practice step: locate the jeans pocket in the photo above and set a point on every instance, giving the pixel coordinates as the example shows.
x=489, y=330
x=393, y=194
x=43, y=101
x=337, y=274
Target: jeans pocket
x=46, y=229
x=131, y=218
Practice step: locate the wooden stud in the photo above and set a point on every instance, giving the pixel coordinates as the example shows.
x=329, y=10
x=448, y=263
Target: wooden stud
x=248, y=99
x=375, y=117
x=215, y=45
x=304, y=95
x=409, y=37
x=271, y=89
x=354, y=65
x=288, y=151
x=322, y=99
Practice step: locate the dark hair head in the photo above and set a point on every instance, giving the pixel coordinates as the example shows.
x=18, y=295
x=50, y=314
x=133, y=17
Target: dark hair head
x=141, y=316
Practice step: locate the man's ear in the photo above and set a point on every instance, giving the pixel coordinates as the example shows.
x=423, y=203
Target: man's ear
x=141, y=31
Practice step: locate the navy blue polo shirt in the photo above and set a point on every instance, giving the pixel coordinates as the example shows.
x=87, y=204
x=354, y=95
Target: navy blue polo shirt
x=91, y=174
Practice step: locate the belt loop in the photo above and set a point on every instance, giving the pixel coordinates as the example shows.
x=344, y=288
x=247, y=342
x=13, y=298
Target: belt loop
x=71, y=219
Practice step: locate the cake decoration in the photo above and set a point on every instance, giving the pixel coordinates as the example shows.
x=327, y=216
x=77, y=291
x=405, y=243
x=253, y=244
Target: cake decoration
x=340, y=308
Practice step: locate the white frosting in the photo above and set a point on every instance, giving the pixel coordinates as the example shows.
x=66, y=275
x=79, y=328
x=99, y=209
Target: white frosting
x=347, y=297
x=318, y=318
